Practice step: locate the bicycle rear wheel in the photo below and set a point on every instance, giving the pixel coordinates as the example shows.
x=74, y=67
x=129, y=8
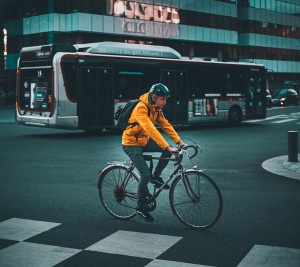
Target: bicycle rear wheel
x=196, y=200
x=118, y=191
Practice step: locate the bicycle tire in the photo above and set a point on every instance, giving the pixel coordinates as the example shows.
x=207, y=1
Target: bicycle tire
x=201, y=210
x=119, y=200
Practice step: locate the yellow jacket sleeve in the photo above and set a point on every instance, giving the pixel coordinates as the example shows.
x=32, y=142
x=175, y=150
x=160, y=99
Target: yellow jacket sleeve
x=166, y=126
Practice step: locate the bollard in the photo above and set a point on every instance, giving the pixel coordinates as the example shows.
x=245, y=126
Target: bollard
x=292, y=146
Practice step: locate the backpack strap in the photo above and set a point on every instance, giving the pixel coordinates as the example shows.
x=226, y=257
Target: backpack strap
x=131, y=125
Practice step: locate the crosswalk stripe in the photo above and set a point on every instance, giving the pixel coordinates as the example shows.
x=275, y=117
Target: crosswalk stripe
x=126, y=243
x=135, y=244
x=21, y=229
x=28, y=254
x=261, y=255
x=282, y=121
x=164, y=263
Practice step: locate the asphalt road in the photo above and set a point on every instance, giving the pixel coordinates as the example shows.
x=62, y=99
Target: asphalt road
x=50, y=175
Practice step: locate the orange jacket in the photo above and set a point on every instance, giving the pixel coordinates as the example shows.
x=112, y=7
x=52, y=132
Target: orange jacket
x=139, y=134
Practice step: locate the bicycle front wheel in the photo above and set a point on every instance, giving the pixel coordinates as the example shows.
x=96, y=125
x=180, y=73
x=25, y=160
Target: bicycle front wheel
x=196, y=200
x=118, y=191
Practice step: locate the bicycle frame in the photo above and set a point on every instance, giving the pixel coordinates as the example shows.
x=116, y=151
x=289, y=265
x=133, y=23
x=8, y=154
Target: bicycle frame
x=150, y=158
x=157, y=191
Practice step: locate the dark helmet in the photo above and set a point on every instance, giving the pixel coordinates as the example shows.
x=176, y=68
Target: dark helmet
x=160, y=90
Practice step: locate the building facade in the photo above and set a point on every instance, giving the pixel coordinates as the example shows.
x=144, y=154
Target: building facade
x=260, y=31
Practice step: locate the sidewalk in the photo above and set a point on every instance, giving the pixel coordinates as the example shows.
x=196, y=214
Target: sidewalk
x=281, y=166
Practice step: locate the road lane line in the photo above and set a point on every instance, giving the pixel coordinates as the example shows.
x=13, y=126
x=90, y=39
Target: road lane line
x=270, y=118
x=282, y=121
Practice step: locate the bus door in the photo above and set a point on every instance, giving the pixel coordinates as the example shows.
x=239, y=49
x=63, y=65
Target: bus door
x=95, y=98
x=255, y=97
x=176, y=109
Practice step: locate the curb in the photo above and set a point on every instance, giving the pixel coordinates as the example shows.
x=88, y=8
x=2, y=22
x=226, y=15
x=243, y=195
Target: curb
x=281, y=166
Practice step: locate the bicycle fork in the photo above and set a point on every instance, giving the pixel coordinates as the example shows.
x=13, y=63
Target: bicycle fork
x=194, y=196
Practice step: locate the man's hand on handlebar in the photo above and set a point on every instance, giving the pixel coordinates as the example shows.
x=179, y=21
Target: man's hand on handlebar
x=183, y=145
x=173, y=150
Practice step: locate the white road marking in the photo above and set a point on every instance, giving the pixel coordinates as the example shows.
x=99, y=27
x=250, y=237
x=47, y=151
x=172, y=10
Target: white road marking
x=163, y=263
x=21, y=229
x=27, y=254
x=282, y=121
x=142, y=245
x=268, y=256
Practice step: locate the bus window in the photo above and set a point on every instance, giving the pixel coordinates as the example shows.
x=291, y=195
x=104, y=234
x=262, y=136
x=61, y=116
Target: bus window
x=177, y=104
x=211, y=82
x=233, y=83
x=70, y=73
x=130, y=84
x=195, y=80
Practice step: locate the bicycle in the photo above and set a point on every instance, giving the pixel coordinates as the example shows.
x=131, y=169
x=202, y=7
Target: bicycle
x=194, y=197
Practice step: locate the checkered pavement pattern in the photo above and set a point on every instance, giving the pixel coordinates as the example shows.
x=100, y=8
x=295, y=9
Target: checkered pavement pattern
x=130, y=247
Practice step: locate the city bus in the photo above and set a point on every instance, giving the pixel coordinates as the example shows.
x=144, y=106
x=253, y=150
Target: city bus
x=81, y=86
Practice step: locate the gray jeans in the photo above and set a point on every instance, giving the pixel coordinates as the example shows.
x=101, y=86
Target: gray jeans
x=135, y=153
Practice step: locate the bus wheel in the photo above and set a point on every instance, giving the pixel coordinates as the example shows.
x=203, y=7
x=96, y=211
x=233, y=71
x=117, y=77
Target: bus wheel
x=234, y=117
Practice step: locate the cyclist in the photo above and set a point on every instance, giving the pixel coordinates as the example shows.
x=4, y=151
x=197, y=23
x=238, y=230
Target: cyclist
x=142, y=136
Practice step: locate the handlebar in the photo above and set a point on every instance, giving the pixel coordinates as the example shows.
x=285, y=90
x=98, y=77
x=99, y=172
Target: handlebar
x=182, y=151
x=178, y=154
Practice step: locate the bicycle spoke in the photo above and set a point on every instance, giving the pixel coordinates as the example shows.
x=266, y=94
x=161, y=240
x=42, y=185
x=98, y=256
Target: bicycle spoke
x=118, y=191
x=196, y=200
x=109, y=184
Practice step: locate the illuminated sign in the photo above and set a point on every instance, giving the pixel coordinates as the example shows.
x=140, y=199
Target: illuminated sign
x=5, y=48
x=143, y=19
x=5, y=41
x=142, y=11
x=148, y=28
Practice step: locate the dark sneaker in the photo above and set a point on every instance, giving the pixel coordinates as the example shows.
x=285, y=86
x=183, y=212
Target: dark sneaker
x=144, y=215
x=158, y=181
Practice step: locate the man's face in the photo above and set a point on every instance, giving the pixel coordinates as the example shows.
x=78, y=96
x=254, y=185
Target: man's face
x=161, y=101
